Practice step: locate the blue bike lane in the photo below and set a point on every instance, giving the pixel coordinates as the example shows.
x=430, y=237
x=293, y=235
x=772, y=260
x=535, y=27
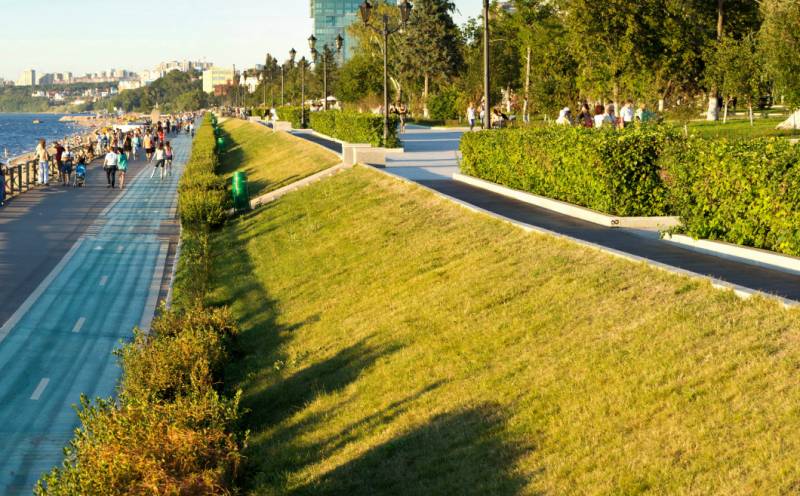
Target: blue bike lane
x=60, y=342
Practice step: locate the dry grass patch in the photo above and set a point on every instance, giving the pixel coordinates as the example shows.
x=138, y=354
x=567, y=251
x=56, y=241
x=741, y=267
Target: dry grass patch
x=394, y=343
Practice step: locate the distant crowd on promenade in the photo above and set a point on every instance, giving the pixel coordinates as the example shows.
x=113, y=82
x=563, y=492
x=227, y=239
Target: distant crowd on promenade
x=597, y=117
x=116, y=146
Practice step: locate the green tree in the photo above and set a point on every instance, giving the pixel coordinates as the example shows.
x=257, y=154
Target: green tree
x=780, y=43
x=736, y=69
x=360, y=77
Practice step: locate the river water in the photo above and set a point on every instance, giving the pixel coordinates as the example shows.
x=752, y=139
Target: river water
x=18, y=133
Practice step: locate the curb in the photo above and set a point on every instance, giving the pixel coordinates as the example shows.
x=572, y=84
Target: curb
x=568, y=209
x=737, y=253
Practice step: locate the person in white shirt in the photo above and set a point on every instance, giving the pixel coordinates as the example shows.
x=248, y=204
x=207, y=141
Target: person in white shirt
x=564, y=117
x=110, y=166
x=627, y=114
x=471, y=116
x=161, y=159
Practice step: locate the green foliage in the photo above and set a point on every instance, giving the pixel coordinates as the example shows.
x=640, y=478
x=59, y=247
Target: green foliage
x=354, y=127
x=360, y=77
x=176, y=92
x=202, y=195
x=613, y=172
x=735, y=68
x=20, y=100
x=743, y=192
x=445, y=105
x=293, y=115
x=780, y=44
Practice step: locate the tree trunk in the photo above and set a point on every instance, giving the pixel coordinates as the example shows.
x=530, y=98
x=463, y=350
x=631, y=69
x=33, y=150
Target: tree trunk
x=713, y=106
x=725, y=118
x=661, y=105
x=720, y=18
x=616, y=97
x=508, y=99
x=750, y=108
x=425, y=111
x=525, y=116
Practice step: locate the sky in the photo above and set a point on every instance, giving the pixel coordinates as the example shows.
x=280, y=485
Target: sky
x=81, y=36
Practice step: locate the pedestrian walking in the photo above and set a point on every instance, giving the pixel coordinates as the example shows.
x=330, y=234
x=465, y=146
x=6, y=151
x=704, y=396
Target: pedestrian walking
x=59, y=155
x=149, y=147
x=402, y=112
x=110, y=166
x=66, y=166
x=135, y=143
x=626, y=114
x=585, y=117
x=122, y=167
x=168, y=157
x=471, y=116
x=43, y=157
x=160, y=157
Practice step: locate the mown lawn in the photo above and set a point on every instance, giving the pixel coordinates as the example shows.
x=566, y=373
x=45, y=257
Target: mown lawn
x=271, y=160
x=397, y=344
x=739, y=127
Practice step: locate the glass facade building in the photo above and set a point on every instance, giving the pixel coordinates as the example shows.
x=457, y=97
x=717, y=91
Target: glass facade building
x=332, y=18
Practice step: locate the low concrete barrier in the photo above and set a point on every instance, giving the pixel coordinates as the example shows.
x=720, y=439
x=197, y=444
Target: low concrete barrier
x=593, y=216
x=349, y=151
x=743, y=254
x=374, y=156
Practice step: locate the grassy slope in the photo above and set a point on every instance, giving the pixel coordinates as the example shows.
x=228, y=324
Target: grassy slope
x=396, y=344
x=740, y=128
x=273, y=160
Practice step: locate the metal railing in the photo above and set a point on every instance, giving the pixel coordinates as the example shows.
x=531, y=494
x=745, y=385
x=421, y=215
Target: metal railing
x=21, y=174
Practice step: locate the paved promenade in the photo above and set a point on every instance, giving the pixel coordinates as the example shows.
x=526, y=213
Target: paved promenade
x=431, y=158
x=102, y=281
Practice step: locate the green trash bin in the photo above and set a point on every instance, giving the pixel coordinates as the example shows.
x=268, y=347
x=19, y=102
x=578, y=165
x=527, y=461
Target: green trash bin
x=241, y=195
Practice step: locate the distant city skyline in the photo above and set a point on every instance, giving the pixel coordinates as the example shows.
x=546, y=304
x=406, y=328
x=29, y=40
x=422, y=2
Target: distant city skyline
x=238, y=32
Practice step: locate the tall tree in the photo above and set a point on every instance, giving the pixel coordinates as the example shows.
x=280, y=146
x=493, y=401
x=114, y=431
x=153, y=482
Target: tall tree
x=780, y=42
x=429, y=47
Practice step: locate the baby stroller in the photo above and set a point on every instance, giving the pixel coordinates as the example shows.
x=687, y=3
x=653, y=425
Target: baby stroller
x=80, y=175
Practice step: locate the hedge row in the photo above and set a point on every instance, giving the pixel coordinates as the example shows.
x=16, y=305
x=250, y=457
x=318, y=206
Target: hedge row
x=745, y=192
x=355, y=127
x=616, y=173
x=202, y=196
x=293, y=115
x=169, y=431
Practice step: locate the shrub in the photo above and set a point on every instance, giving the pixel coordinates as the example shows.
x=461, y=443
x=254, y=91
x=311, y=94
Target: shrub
x=184, y=447
x=203, y=207
x=445, y=105
x=293, y=115
x=355, y=127
x=743, y=192
x=613, y=172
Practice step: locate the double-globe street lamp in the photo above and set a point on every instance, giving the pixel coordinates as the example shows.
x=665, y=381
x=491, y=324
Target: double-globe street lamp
x=385, y=30
x=312, y=43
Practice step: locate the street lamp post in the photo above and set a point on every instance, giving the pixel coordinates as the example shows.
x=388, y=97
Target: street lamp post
x=292, y=56
x=312, y=43
x=303, y=65
x=385, y=31
x=266, y=62
x=487, y=119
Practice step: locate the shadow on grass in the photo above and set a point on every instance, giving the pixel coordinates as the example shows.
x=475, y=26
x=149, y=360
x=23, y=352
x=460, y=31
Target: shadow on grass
x=458, y=453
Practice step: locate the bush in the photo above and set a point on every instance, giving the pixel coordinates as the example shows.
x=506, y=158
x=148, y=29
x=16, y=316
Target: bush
x=743, y=192
x=445, y=105
x=613, y=172
x=184, y=447
x=202, y=196
x=355, y=127
x=293, y=115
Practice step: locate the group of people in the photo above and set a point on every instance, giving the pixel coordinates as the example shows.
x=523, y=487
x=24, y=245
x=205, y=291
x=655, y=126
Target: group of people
x=606, y=116
x=65, y=159
x=499, y=118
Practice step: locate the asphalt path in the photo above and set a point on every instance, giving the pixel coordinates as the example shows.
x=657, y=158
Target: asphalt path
x=96, y=264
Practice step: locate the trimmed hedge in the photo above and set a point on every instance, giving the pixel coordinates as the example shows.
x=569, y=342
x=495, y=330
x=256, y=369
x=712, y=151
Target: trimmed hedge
x=355, y=127
x=743, y=192
x=613, y=172
x=202, y=195
x=293, y=115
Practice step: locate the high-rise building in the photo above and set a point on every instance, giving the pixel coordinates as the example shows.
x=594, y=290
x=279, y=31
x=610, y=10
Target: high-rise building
x=332, y=18
x=27, y=78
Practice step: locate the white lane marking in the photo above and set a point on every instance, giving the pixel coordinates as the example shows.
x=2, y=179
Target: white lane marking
x=79, y=324
x=120, y=249
x=22, y=310
x=37, y=393
x=98, y=248
x=103, y=281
